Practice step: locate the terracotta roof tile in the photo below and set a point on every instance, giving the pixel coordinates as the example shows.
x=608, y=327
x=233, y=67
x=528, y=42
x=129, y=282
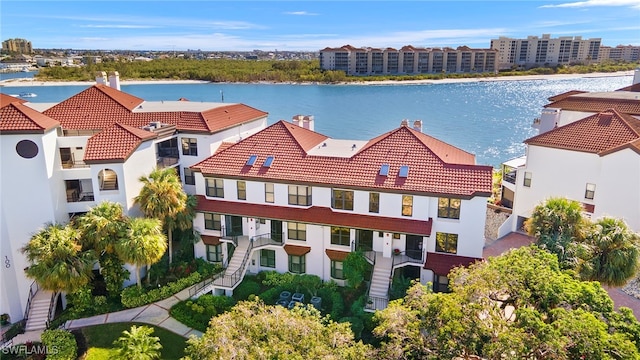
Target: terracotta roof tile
x=115, y=143
x=18, y=118
x=336, y=255
x=428, y=173
x=296, y=250
x=441, y=264
x=633, y=88
x=601, y=133
x=316, y=215
x=565, y=95
x=595, y=104
x=100, y=106
x=8, y=99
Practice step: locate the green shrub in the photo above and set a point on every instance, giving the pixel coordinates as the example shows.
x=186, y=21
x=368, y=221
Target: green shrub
x=356, y=325
x=337, y=308
x=247, y=287
x=197, y=313
x=134, y=296
x=271, y=295
x=61, y=345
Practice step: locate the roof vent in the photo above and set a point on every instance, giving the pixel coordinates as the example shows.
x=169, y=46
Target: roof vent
x=353, y=147
x=404, y=171
x=268, y=161
x=384, y=170
x=252, y=160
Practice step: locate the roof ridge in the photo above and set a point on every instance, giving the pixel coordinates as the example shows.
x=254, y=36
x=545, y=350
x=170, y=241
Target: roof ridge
x=290, y=126
x=102, y=87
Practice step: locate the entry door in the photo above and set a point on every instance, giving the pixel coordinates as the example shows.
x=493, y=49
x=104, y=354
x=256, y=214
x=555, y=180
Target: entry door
x=276, y=230
x=364, y=240
x=414, y=246
x=234, y=225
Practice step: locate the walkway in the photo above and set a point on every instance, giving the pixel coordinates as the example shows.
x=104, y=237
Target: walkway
x=515, y=240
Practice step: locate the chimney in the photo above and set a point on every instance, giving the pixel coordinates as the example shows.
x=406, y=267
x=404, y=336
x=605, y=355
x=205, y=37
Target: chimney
x=101, y=78
x=114, y=80
x=304, y=121
x=404, y=122
x=417, y=125
x=636, y=76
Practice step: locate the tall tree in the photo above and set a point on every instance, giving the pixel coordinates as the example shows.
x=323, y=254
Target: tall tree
x=253, y=330
x=162, y=197
x=57, y=260
x=558, y=226
x=144, y=244
x=138, y=344
x=613, y=255
x=101, y=228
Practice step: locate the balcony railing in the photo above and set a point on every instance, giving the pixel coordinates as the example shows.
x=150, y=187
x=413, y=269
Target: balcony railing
x=265, y=240
x=376, y=303
x=407, y=257
x=70, y=164
x=509, y=177
x=74, y=195
x=163, y=162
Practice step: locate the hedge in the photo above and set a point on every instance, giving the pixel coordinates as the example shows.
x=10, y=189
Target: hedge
x=135, y=296
x=60, y=344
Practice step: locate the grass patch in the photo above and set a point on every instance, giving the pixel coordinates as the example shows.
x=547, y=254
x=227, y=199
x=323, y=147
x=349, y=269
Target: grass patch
x=99, y=341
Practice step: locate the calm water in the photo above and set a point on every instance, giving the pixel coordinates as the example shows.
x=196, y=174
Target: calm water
x=489, y=119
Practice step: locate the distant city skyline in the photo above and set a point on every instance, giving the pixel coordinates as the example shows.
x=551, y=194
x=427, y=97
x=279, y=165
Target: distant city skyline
x=309, y=25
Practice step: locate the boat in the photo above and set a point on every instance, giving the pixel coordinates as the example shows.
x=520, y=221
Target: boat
x=25, y=69
x=27, y=95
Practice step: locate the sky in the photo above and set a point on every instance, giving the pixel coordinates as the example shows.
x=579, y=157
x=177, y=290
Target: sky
x=309, y=25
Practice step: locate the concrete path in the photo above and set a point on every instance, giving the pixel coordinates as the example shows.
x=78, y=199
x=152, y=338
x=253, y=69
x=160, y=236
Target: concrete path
x=153, y=314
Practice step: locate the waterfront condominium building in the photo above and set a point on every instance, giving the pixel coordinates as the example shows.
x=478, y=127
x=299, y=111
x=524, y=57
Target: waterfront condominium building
x=588, y=150
x=408, y=60
x=544, y=51
x=620, y=53
x=293, y=200
x=60, y=159
x=21, y=46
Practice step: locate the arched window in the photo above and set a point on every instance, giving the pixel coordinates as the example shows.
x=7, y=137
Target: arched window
x=108, y=179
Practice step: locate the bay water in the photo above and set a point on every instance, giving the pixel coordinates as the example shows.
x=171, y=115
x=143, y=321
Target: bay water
x=490, y=119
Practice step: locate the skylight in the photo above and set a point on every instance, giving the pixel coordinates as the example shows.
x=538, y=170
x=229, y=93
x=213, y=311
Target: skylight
x=404, y=171
x=252, y=160
x=268, y=161
x=384, y=170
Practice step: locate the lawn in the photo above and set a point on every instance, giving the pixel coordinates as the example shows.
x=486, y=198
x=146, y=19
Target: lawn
x=99, y=341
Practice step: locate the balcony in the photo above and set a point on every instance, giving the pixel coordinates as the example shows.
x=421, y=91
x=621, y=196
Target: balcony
x=70, y=164
x=79, y=190
x=163, y=162
x=167, y=153
x=509, y=177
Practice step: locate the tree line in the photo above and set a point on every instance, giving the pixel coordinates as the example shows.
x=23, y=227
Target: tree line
x=249, y=71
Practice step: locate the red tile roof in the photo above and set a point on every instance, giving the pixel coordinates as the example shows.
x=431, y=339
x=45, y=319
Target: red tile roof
x=513, y=240
x=316, y=215
x=564, y=95
x=633, y=88
x=210, y=240
x=116, y=143
x=432, y=167
x=101, y=106
x=441, y=264
x=8, y=99
x=602, y=133
x=596, y=104
x=296, y=250
x=336, y=255
x=19, y=119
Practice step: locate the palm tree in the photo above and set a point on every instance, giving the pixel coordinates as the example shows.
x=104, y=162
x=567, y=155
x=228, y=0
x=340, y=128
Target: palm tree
x=614, y=255
x=138, y=344
x=162, y=197
x=559, y=227
x=57, y=260
x=143, y=245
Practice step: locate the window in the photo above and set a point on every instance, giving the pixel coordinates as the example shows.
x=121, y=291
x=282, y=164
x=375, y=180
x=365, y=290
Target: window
x=212, y=221
x=340, y=236
x=108, y=179
x=297, y=231
x=407, y=205
x=527, y=179
x=449, y=208
x=189, y=178
x=590, y=191
x=297, y=264
x=242, y=190
x=440, y=283
x=374, y=202
x=299, y=195
x=215, y=187
x=268, y=258
x=268, y=193
x=447, y=243
x=214, y=253
x=342, y=199
x=190, y=146
x=336, y=270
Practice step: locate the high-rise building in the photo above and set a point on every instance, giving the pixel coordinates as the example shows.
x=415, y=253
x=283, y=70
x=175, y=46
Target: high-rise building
x=620, y=53
x=21, y=46
x=544, y=51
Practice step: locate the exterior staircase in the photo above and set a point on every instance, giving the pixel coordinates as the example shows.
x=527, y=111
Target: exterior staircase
x=379, y=287
x=39, y=311
x=232, y=275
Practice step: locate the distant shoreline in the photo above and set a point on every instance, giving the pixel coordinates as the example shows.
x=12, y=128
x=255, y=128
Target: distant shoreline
x=19, y=82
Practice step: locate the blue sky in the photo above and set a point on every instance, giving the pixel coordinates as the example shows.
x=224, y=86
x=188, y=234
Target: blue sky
x=309, y=25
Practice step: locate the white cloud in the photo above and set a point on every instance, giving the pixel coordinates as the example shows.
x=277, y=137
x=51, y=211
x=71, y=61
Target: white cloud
x=592, y=3
x=119, y=26
x=300, y=13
